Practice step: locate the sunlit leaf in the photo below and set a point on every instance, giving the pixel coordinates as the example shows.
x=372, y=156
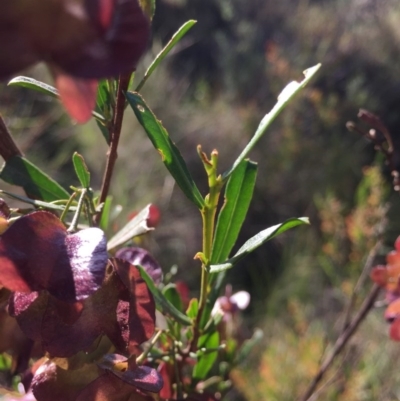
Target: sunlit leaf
x=178, y=35
x=81, y=170
x=238, y=194
x=169, y=153
x=21, y=172
x=162, y=302
x=256, y=241
x=288, y=93
x=37, y=253
x=38, y=86
x=137, y=226
x=140, y=257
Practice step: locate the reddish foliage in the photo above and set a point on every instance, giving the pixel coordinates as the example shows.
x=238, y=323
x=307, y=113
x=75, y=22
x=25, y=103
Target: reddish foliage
x=37, y=253
x=388, y=277
x=139, y=256
x=123, y=309
x=81, y=41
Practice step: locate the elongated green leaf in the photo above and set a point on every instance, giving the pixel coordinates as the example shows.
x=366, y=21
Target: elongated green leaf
x=136, y=226
x=162, y=303
x=193, y=308
x=38, y=86
x=178, y=35
x=37, y=203
x=38, y=185
x=170, y=154
x=30, y=83
x=248, y=346
x=81, y=170
x=105, y=213
x=256, y=241
x=206, y=361
x=171, y=294
x=238, y=194
x=288, y=93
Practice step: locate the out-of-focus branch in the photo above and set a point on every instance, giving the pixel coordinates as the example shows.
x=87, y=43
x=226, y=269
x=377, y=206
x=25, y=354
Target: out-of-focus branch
x=342, y=341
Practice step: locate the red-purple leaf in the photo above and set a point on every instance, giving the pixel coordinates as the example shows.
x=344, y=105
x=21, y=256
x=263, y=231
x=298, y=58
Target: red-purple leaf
x=139, y=256
x=63, y=329
x=37, y=253
x=77, y=95
x=51, y=382
x=86, y=38
x=141, y=320
x=108, y=387
x=143, y=377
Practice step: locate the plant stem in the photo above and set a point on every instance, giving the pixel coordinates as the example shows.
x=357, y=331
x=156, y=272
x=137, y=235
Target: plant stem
x=74, y=224
x=115, y=133
x=208, y=214
x=342, y=341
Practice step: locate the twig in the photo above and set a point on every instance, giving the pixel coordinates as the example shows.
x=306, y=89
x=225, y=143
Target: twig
x=115, y=132
x=8, y=147
x=342, y=341
x=364, y=274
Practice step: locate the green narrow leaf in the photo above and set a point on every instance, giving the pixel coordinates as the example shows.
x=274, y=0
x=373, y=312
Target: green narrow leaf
x=288, y=93
x=81, y=170
x=193, y=308
x=248, y=346
x=136, y=226
x=170, y=154
x=37, y=203
x=206, y=361
x=36, y=184
x=238, y=194
x=172, y=295
x=38, y=86
x=163, y=305
x=105, y=214
x=256, y=241
x=178, y=35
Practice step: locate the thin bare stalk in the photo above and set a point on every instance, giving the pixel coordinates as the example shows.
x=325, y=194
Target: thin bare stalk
x=361, y=280
x=115, y=133
x=342, y=340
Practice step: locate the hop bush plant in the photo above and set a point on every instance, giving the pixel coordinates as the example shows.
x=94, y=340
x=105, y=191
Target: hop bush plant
x=78, y=309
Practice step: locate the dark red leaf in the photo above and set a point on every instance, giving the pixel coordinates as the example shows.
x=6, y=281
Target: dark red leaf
x=86, y=38
x=37, y=253
x=141, y=319
x=139, y=256
x=108, y=387
x=51, y=382
x=143, y=377
x=64, y=329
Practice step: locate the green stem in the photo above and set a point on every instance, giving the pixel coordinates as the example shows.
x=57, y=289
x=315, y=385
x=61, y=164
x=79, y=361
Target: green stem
x=179, y=391
x=74, y=224
x=67, y=206
x=208, y=214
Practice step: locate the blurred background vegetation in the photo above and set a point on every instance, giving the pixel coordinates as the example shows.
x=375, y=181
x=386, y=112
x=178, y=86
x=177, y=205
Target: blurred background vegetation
x=213, y=90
